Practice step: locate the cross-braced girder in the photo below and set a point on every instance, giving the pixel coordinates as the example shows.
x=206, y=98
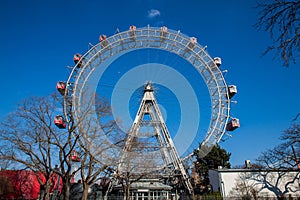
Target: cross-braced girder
x=137, y=145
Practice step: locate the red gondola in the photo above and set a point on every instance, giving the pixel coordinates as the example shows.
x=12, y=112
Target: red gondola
x=59, y=122
x=163, y=32
x=103, y=40
x=233, y=124
x=218, y=61
x=77, y=59
x=132, y=30
x=61, y=87
x=74, y=156
x=232, y=90
x=192, y=42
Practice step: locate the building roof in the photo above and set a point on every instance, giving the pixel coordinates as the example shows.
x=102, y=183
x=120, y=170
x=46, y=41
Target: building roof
x=147, y=184
x=254, y=170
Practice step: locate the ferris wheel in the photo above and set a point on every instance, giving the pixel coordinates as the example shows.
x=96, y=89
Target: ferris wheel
x=91, y=66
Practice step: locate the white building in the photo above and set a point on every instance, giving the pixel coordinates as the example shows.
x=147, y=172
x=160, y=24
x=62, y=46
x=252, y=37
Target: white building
x=255, y=183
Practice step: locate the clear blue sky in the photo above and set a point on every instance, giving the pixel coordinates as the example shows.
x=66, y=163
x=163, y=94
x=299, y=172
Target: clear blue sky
x=38, y=40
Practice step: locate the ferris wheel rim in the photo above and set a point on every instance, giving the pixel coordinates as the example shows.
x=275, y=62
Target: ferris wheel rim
x=174, y=42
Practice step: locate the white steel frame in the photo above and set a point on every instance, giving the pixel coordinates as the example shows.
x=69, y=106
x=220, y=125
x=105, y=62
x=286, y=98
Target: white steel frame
x=103, y=53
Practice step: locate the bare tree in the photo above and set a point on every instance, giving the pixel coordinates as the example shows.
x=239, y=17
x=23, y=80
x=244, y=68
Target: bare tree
x=100, y=140
x=281, y=19
x=244, y=187
x=283, y=161
x=137, y=161
x=286, y=154
x=126, y=179
x=29, y=137
x=256, y=184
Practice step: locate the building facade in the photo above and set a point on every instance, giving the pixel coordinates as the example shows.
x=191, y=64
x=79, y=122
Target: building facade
x=256, y=183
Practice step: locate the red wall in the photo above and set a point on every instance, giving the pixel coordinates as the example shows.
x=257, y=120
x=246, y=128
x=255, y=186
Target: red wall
x=19, y=184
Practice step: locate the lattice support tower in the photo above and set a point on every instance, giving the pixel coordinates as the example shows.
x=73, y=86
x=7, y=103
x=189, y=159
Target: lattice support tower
x=149, y=148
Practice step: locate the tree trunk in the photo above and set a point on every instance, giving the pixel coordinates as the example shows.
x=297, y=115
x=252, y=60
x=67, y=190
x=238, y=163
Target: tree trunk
x=127, y=193
x=47, y=190
x=85, y=191
x=66, y=191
